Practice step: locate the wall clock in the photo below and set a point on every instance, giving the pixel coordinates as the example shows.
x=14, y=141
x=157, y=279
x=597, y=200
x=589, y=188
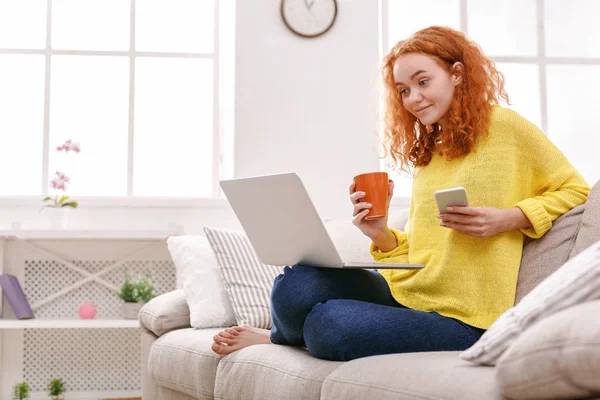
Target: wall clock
x=309, y=18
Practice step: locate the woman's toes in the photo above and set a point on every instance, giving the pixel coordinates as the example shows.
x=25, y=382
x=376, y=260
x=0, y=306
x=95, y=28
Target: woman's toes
x=232, y=331
x=226, y=341
x=218, y=348
x=225, y=335
x=238, y=328
x=228, y=333
x=223, y=338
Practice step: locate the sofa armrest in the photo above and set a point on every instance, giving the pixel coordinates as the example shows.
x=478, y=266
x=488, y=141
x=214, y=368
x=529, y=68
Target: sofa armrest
x=165, y=313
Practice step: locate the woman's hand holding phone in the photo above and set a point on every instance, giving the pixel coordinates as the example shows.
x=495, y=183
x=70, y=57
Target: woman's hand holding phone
x=483, y=221
x=455, y=213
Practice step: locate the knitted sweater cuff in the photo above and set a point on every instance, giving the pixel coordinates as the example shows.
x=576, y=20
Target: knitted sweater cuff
x=400, y=250
x=537, y=215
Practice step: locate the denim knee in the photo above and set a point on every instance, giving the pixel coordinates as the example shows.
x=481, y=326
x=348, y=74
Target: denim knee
x=325, y=334
x=292, y=298
x=291, y=290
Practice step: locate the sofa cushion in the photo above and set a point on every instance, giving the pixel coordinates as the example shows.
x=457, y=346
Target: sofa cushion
x=183, y=361
x=576, y=282
x=247, y=280
x=165, y=313
x=200, y=277
x=271, y=372
x=557, y=358
x=543, y=256
x=589, y=231
x=434, y=375
x=351, y=243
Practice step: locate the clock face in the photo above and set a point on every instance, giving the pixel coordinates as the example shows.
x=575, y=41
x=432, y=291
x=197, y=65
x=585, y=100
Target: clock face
x=308, y=18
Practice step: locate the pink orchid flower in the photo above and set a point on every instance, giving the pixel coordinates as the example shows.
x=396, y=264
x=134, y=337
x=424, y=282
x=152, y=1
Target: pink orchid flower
x=59, y=182
x=69, y=145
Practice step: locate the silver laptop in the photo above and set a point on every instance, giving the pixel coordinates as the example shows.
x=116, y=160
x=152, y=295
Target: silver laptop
x=283, y=225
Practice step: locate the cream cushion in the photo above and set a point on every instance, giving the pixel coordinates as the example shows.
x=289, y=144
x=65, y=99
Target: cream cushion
x=183, y=361
x=558, y=358
x=246, y=279
x=589, y=231
x=272, y=372
x=349, y=241
x=575, y=282
x=541, y=257
x=165, y=313
x=409, y=376
x=199, y=274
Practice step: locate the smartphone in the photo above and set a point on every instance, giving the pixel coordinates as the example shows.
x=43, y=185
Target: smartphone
x=450, y=197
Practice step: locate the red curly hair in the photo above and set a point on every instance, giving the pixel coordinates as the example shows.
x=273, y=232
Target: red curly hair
x=405, y=139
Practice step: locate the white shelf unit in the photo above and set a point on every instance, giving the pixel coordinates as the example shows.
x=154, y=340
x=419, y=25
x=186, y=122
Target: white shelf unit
x=9, y=323
x=58, y=270
x=64, y=234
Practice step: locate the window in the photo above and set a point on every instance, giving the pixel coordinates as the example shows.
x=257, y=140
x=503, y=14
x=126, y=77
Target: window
x=548, y=51
x=135, y=82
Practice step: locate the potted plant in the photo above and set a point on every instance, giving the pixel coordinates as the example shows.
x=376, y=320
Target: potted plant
x=56, y=207
x=21, y=391
x=56, y=389
x=135, y=294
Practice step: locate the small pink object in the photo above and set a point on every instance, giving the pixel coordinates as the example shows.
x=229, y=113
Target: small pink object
x=87, y=311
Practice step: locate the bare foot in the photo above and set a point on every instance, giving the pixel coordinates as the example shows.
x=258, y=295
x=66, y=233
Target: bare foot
x=238, y=337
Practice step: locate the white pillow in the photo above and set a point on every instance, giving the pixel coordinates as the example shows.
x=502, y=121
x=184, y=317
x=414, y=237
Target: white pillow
x=199, y=274
x=577, y=281
x=247, y=280
x=350, y=243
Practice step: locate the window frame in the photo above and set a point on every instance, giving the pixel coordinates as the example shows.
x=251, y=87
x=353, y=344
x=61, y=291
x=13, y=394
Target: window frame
x=222, y=163
x=541, y=60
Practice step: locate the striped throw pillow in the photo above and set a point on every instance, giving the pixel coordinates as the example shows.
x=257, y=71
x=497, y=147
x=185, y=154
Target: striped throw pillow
x=247, y=281
x=577, y=281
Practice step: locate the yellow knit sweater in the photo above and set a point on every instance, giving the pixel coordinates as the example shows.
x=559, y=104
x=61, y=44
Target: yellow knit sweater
x=474, y=279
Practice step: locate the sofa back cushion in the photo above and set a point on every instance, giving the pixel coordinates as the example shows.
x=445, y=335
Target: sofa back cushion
x=558, y=357
x=247, y=280
x=541, y=257
x=571, y=233
x=349, y=241
x=576, y=282
x=199, y=275
x=589, y=232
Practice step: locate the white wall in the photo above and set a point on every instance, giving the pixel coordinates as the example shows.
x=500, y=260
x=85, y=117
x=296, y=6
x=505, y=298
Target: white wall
x=303, y=105
x=307, y=105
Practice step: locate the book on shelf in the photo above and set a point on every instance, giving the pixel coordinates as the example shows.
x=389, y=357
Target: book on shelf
x=15, y=296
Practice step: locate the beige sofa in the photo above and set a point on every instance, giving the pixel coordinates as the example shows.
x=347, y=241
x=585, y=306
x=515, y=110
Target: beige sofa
x=178, y=364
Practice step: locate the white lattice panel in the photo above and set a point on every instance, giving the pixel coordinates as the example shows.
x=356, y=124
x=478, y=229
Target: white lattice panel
x=86, y=359
x=45, y=277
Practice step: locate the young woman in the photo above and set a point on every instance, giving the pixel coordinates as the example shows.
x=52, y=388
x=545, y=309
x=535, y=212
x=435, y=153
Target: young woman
x=442, y=121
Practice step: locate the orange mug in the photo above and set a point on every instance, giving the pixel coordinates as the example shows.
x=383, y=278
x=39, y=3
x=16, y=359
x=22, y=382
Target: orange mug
x=375, y=186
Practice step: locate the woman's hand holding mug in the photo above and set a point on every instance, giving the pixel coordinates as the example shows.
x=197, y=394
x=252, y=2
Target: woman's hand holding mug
x=371, y=195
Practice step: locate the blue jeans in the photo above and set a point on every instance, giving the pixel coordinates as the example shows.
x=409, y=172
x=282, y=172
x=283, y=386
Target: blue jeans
x=341, y=315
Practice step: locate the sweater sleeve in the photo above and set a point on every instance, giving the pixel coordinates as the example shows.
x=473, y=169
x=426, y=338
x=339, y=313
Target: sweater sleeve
x=399, y=255
x=557, y=185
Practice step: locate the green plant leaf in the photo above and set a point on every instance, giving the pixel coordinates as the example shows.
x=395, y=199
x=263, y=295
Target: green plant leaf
x=21, y=391
x=47, y=198
x=126, y=292
x=62, y=199
x=140, y=291
x=72, y=204
x=56, y=387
